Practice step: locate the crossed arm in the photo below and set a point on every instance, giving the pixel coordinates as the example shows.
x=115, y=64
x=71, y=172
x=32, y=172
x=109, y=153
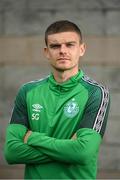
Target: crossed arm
x=23, y=146
x=17, y=152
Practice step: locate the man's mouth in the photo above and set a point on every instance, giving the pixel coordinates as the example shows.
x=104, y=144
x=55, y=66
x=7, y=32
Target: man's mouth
x=63, y=59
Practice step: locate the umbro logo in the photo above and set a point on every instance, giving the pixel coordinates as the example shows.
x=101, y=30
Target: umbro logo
x=37, y=107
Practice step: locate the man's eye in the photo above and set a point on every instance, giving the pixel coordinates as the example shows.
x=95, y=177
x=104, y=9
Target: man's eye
x=55, y=46
x=70, y=45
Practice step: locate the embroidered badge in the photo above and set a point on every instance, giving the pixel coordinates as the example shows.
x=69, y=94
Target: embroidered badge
x=71, y=109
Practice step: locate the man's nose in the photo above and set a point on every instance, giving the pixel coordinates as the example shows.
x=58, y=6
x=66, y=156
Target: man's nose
x=63, y=48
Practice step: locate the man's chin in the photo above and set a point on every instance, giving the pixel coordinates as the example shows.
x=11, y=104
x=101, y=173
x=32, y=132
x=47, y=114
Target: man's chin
x=61, y=69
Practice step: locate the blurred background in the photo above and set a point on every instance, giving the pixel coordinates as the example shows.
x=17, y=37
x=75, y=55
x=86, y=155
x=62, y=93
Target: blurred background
x=22, y=26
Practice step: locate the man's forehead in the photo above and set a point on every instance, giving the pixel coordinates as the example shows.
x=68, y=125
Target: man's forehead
x=63, y=37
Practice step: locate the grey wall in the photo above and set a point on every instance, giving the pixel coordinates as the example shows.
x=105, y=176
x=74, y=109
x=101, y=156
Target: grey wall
x=26, y=17
x=22, y=26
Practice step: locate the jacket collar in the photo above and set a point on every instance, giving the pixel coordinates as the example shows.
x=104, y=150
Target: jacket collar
x=67, y=85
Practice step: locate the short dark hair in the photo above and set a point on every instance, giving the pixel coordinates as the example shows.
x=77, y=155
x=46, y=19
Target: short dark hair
x=62, y=26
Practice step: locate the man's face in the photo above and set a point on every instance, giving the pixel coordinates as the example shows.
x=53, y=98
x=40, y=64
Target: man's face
x=64, y=50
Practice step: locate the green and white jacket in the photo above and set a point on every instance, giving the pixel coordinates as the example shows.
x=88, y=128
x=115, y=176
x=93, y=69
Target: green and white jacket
x=54, y=112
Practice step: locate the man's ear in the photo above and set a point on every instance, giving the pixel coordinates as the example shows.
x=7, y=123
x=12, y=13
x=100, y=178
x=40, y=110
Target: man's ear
x=82, y=49
x=46, y=52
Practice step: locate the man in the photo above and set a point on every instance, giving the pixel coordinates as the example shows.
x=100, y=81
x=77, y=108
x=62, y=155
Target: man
x=58, y=122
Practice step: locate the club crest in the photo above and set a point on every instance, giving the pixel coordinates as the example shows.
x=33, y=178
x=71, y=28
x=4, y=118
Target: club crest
x=71, y=109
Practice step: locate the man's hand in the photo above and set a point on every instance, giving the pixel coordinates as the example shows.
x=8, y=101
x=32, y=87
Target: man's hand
x=74, y=136
x=27, y=135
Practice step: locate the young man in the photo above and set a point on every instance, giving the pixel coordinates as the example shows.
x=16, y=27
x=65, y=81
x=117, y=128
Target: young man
x=58, y=123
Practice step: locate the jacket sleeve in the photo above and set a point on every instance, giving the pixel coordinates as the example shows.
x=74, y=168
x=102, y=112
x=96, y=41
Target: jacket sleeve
x=80, y=150
x=16, y=152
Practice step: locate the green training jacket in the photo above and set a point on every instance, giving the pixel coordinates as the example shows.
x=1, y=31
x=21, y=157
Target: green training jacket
x=54, y=112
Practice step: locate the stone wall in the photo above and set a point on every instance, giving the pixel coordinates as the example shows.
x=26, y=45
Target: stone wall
x=26, y=17
x=22, y=26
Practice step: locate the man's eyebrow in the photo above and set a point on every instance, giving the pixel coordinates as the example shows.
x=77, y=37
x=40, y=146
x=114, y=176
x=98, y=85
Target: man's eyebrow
x=54, y=43
x=59, y=44
x=71, y=42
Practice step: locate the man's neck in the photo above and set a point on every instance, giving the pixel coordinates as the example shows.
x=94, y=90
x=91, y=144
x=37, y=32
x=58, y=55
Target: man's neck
x=62, y=76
